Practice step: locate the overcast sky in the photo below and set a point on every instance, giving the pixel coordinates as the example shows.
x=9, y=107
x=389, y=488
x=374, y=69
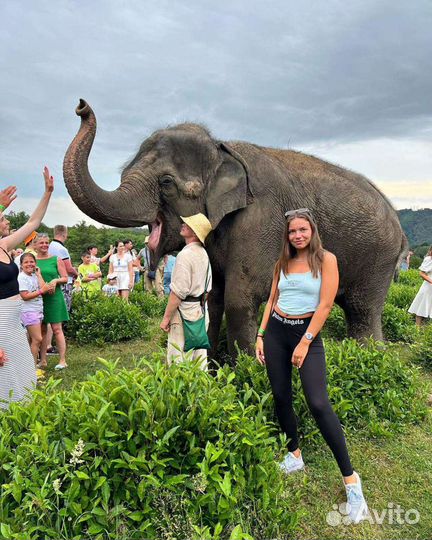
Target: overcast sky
x=347, y=81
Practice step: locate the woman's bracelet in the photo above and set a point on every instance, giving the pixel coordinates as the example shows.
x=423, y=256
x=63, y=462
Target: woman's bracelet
x=259, y=335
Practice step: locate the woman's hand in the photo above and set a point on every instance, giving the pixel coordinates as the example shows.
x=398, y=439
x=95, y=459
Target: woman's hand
x=259, y=350
x=7, y=196
x=48, y=288
x=2, y=357
x=49, y=180
x=52, y=286
x=299, y=354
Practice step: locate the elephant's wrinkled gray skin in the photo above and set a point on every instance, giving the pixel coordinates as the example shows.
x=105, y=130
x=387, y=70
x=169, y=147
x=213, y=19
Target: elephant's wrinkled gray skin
x=245, y=189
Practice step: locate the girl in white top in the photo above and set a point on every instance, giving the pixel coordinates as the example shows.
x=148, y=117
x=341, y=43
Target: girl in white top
x=422, y=303
x=121, y=265
x=31, y=288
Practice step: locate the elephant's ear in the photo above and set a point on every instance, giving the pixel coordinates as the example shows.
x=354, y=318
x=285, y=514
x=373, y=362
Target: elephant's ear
x=229, y=189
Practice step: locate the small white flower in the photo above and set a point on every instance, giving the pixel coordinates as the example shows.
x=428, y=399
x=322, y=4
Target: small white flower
x=56, y=485
x=77, y=452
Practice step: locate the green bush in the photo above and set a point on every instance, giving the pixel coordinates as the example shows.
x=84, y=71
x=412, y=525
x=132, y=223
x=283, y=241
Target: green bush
x=102, y=319
x=401, y=295
x=369, y=387
x=335, y=325
x=398, y=324
x=148, y=303
x=154, y=452
x=410, y=277
x=422, y=348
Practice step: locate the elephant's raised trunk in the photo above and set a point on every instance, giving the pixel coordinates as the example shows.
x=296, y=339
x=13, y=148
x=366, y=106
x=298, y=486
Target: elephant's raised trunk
x=109, y=207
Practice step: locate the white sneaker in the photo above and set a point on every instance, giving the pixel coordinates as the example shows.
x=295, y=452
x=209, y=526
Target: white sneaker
x=356, y=503
x=291, y=463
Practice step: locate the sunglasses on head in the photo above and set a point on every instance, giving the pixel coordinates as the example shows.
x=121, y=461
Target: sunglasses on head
x=298, y=211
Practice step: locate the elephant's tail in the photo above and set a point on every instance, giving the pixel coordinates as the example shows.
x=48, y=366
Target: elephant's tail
x=402, y=254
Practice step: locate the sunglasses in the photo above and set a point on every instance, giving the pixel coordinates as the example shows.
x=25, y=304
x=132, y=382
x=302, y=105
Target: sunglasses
x=298, y=211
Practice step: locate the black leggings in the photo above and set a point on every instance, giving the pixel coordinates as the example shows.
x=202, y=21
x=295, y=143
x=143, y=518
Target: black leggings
x=281, y=338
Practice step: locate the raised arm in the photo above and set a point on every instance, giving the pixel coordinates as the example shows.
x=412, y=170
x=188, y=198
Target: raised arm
x=7, y=196
x=17, y=237
x=108, y=255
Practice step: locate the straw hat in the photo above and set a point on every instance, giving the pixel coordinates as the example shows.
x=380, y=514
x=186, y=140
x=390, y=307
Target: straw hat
x=200, y=225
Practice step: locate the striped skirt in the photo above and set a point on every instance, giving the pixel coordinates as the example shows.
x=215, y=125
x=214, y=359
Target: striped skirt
x=18, y=374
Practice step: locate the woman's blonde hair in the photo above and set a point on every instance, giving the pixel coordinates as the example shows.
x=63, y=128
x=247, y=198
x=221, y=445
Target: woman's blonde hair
x=429, y=253
x=288, y=252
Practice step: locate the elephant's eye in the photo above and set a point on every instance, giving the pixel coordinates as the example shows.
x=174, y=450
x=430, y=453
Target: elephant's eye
x=166, y=180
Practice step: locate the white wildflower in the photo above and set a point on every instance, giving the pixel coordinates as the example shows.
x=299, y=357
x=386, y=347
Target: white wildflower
x=199, y=482
x=77, y=452
x=56, y=485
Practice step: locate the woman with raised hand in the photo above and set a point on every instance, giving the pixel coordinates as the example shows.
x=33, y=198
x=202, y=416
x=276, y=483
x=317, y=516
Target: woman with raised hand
x=17, y=369
x=305, y=283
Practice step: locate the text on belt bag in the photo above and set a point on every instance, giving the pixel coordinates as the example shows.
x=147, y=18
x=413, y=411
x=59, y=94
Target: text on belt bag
x=195, y=333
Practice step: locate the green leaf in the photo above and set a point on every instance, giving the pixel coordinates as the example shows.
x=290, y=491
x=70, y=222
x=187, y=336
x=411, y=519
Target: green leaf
x=82, y=475
x=95, y=528
x=100, y=482
x=169, y=434
x=5, y=530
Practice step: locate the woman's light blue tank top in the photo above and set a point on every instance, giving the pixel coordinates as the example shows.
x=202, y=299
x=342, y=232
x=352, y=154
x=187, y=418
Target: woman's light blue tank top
x=299, y=293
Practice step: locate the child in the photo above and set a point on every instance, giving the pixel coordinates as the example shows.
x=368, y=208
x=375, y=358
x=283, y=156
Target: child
x=32, y=287
x=111, y=289
x=89, y=274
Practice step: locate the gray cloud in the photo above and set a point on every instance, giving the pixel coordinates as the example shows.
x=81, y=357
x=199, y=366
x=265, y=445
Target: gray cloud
x=281, y=73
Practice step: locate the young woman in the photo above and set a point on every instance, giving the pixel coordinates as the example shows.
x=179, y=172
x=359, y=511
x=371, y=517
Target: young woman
x=17, y=369
x=32, y=286
x=304, y=287
x=54, y=272
x=121, y=265
x=422, y=303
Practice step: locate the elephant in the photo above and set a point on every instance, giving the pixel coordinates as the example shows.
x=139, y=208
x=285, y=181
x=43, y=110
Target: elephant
x=244, y=190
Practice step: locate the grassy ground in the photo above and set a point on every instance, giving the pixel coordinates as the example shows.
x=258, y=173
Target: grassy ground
x=394, y=471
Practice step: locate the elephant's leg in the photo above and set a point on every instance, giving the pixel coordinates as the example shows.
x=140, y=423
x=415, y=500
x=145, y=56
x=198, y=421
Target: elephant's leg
x=363, y=304
x=216, y=310
x=241, y=311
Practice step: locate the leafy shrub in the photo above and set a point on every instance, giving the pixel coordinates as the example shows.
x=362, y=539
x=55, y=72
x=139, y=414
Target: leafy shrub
x=398, y=324
x=369, y=387
x=401, y=295
x=101, y=319
x=148, y=303
x=372, y=387
x=335, y=325
x=155, y=452
x=422, y=348
x=410, y=277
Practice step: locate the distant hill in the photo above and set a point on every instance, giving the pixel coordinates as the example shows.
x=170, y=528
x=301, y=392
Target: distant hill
x=417, y=225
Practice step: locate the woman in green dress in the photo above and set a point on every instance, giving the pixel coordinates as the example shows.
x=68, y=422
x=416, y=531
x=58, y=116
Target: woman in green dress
x=55, y=312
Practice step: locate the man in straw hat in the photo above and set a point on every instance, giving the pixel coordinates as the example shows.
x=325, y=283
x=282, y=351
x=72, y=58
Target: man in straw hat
x=191, y=274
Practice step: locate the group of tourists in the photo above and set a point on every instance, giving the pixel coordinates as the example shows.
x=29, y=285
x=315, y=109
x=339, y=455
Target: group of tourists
x=304, y=286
